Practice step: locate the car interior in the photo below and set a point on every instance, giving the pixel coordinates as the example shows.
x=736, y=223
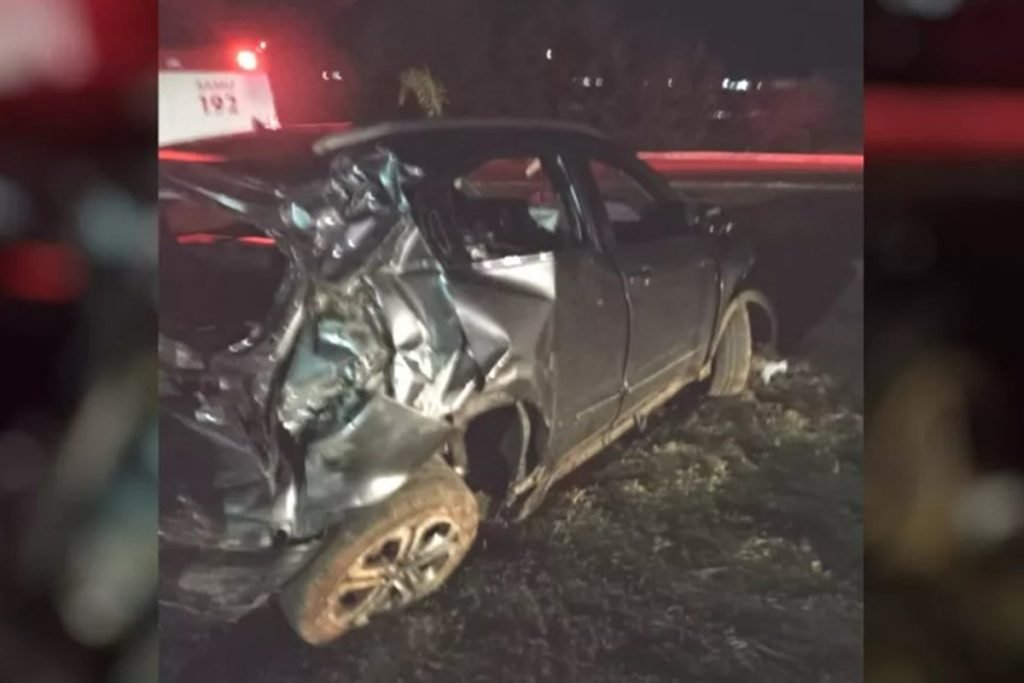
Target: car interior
x=219, y=276
x=480, y=214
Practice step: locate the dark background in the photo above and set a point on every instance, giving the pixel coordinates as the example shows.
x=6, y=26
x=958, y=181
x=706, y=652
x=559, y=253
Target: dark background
x=77, y=311
x=944, y=251
x=490, y=57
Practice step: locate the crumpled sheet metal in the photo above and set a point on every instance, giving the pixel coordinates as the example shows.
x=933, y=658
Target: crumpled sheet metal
x=506, y=311
x=367, y=457
x=378, y=344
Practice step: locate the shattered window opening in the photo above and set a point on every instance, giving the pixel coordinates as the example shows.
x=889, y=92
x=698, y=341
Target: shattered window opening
x=219, y=275
x=627, y=203
x=499, y=207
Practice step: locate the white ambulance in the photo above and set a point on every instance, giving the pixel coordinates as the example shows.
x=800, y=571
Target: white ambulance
x=214, y=91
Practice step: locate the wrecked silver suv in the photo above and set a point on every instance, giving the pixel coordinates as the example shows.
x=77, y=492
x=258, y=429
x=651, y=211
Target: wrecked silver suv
x=372, y=339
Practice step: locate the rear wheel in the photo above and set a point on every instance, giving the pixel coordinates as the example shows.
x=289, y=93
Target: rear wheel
x=384, y=557
x=731, y=365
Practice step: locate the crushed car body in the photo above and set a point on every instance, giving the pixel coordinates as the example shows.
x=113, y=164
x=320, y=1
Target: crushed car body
x=386, y=336
x=370, y=349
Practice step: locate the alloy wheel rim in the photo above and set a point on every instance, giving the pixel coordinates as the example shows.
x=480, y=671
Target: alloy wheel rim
x=410, y=561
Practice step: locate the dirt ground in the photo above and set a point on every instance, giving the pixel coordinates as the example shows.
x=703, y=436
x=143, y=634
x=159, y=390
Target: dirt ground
x=723, y=544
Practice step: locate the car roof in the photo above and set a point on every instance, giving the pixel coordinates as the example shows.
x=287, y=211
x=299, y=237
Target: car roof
x=358, y=136
x=324, y=139
x=295, y=155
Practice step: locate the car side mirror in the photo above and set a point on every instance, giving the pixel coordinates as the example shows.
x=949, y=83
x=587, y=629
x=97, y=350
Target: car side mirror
x=711, y=219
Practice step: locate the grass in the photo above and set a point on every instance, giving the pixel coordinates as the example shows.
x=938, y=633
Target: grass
x=723, y=544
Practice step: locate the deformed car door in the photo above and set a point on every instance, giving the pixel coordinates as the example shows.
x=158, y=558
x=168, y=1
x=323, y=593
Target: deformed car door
x=501, y=209
x=592, y=337
x=670, y=276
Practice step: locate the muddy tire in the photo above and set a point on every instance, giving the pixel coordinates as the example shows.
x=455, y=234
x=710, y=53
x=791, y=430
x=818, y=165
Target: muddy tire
x=384, y=557
x=731, y=366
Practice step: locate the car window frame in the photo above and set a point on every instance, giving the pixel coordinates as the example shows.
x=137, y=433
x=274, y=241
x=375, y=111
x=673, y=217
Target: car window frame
x=637, y=170
x=554, y=157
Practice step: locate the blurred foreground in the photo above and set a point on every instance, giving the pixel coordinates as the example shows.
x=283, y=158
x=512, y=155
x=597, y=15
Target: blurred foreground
x=944, y=487
x=77, y=422
x=944, y=531
x=77, y=323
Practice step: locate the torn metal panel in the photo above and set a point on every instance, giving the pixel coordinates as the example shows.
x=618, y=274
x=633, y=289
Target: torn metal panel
x=241, y=194
x=384, y=436
x=367, y=458
x=224, y=584
x=341, y=348
x=506, y=309
x=371, y=348
x=431, y=370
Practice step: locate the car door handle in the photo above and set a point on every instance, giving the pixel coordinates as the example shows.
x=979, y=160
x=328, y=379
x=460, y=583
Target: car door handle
x=641, y=275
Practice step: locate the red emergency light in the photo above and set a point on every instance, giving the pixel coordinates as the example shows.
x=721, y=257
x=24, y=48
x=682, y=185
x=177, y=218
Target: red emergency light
x=247, y=60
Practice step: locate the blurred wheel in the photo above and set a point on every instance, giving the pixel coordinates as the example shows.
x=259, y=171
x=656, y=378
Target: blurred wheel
x=731, y=365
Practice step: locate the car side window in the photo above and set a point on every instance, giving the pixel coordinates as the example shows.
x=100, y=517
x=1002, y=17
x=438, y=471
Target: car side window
x=627, y=204
x=497, y=207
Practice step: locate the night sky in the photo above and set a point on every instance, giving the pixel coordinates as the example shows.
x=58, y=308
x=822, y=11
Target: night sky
x=767, y=37
x=753, y=37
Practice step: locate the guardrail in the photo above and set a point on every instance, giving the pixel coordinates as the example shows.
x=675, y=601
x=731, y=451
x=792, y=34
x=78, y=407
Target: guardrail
x=777, y=171
x=732, y=163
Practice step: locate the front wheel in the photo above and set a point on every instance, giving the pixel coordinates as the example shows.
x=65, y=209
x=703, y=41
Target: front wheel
x=384, y=557
x=730, y=368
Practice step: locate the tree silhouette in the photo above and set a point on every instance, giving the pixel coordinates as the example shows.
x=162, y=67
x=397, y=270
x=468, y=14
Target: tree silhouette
x=419, y=84
x=792, y=117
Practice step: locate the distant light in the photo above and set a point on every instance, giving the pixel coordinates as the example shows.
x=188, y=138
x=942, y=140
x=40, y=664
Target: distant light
x=586, y=81
x=247, y=60
x=743, y=85
x=323, y=75
x=550, y=54
x=926, y=9
x=670, y=83
x=263, y=45
x=336, y=75
x=725, y=83
x=599, y=82
x=44, y=272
